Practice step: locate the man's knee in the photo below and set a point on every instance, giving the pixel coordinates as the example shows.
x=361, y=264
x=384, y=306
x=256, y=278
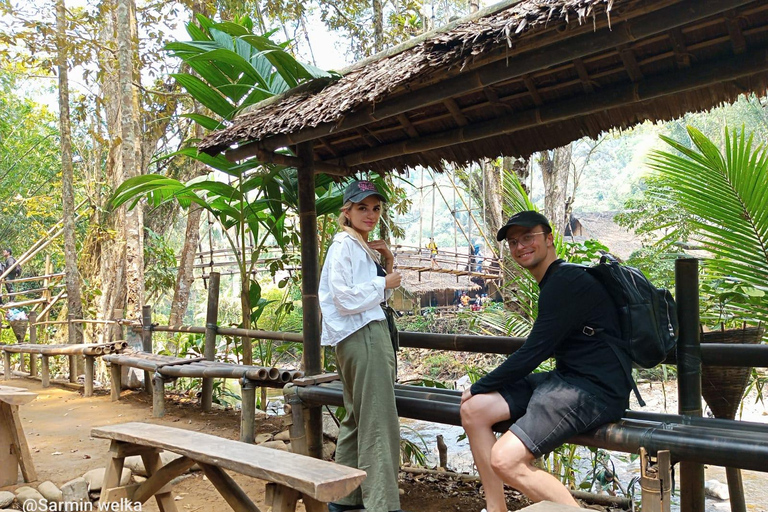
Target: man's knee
x=510, y=458
x=474, y=412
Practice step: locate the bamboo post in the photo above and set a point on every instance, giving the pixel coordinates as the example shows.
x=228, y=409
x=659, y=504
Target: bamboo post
x=117, y=327
x=158, y=396
x=689, y=374
x=6, y=365
x=115, y=371
x=735, y=490
x=247, y=410
x=146, y=342
x=294, y=410
x=88, y=384
x=71, y=340
x=211, y=321
x=310, y=281
x=45, y=371
x=32, y=341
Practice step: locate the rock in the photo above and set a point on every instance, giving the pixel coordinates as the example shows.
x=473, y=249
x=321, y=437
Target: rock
x=135, y=464
x=75, y=491
x=285, y=435
x=329, y=448
x=716, y=489
x=95, y=478
x=27, y=494
x=259, y=415
x=277, y=445
x=131, y=378
x=262, y=438
x=50, y=492
x=6, y=498
x=330, y=428
x=137, y=479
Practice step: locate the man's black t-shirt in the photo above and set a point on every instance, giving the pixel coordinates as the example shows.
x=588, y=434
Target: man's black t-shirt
x=570, y=298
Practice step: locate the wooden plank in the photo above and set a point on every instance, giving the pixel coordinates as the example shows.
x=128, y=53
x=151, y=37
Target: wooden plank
x=316, y=478
x=315, y=379
x=9, y=460
x=16, y=396
x=155, y=483
x=229, y=489
x=115, y=494
x=153, y=464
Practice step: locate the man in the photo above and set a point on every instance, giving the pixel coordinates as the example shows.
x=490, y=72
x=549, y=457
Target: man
x=587, y=388
x=432, y=246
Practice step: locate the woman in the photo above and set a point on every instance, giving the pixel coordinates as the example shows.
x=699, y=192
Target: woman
x=353, y=285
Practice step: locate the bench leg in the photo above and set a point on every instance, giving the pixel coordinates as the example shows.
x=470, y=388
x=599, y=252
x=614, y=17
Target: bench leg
x=15, y=450
x=6, y=365
x=284, y=499
x=229, y=490
x=158, y=396
x=45, y=371
x=115, y=381
x=158, y=482
x=247, y=411
x=312, y=505
x=113, y=471
x=88, y=384
x=153, y=464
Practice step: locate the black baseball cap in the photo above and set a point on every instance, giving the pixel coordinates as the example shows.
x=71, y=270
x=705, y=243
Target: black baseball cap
x=527, y=219
x=359, y=190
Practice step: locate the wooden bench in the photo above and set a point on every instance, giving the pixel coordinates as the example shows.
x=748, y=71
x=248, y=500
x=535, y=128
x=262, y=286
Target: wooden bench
x=291, y=476
x=14, y=451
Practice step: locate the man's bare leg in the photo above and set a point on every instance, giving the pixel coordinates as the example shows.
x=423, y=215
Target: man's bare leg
x=478, y=414
x=513, y=463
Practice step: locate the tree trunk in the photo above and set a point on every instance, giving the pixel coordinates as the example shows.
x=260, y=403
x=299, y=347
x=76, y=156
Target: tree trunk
x=555, y=171
x=130, y=152
x=74, y=301
x=185, y=276
x=378, y=26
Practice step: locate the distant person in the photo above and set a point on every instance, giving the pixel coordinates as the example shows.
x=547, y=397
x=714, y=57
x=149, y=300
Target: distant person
x=478, y=250
x=587, y=388
x=358, y=276
x=432, y=246
x=464, y=299
x=10, y=261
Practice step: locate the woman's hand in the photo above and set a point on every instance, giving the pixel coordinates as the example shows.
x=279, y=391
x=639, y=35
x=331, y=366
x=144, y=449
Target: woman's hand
x=381, y=247
x=465, y=395
x=392, y=280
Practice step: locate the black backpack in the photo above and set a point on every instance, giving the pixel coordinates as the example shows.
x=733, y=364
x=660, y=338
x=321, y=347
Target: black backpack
x=647, y=317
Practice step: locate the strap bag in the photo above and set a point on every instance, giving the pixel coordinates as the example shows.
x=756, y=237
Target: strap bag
x=391, y=314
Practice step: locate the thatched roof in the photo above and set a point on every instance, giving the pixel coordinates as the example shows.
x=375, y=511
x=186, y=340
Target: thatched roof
x=519, y=77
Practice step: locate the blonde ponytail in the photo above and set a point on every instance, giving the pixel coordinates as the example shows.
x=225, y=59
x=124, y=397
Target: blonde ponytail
x=346, y=225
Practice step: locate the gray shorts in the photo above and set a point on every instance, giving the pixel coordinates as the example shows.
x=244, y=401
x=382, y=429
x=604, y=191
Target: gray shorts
x=547, y=411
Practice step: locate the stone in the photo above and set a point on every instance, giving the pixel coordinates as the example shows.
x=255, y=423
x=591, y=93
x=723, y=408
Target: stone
x=95, y=478
x=277, y=445
x=716, y=489
x=329, y=448
x=330, y=428
x=138, y=479
x=136, y=465
x=50, y=492
x=262, y=438
x=75, y=491
x=27, y=494
x=6, y=498
x=285, y=435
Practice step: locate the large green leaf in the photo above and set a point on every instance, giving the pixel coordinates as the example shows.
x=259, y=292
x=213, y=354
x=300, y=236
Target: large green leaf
x=203, y=93
x=725, y=192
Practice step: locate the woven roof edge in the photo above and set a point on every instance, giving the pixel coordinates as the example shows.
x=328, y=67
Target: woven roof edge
x=317, y=84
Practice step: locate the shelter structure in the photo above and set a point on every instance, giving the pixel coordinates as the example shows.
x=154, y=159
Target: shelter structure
x=515, y=78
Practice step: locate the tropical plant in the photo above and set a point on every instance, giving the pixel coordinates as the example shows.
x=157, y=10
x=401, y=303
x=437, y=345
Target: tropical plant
x=253, y=202
x=724, y=193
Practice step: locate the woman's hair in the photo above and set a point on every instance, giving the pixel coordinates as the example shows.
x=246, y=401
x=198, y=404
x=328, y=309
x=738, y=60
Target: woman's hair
x=346, y=225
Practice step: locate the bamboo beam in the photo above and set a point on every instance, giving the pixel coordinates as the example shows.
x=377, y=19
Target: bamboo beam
x=211, y=321
x=655, y=87
x=586, y=44
x=269, y=156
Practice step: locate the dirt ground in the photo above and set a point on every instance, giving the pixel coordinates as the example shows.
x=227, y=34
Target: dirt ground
x=58, y=423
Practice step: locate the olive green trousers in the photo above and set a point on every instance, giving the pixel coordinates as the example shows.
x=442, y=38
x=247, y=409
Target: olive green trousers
x=369, y=435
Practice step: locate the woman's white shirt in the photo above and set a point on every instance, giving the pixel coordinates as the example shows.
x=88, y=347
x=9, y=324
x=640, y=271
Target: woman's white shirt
x=350, y=292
